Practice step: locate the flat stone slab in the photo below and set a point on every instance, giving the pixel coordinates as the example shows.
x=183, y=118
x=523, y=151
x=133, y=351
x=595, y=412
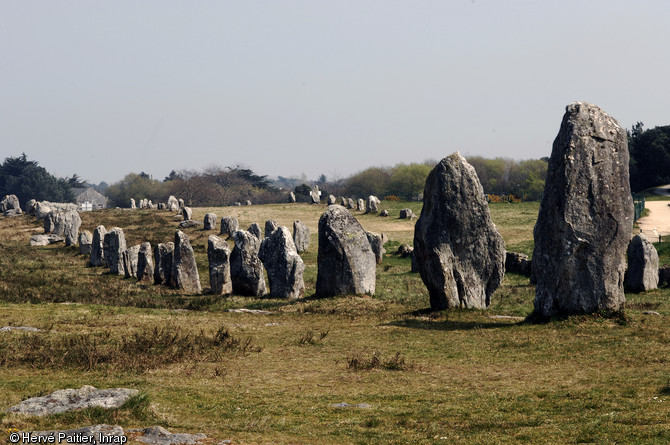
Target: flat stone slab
x=19, y=328
x=249, y=311
x=506, y=317
x=45, y=240
x=94, y=434
x=73, y=399
x=349, y=405
x=157, y=435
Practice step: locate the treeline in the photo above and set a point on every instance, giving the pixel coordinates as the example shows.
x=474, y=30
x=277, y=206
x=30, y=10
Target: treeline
x=649, y=157
x=27, y=180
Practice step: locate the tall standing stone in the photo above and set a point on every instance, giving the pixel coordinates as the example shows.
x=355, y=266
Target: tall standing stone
x=130, y=256
x=458, y=250
x=145, y=264
x=30, y=207
x=255, y=229
x=114, y=245
x=361, y=205
x=184, y=268
x=291, y=197
x=377, y=243
x=42, y=211
x=331, y=200
x=270, y=226
x=181, y=204
x=218, y=256
x=97, y=257
x=283, y=265
x=132, y=203
x=172, y=204
x=346, y=263
x=71, y=224
x=343, y=202
x=209, y=222
x=301, y=236
x=163, y=255
x=373, y=204
x=85, y=241
x=49, y=222
x=229, y=225
x=586, y=217
x=315, y=195
x=246, y=269
x=187, y=213
x=642, y=274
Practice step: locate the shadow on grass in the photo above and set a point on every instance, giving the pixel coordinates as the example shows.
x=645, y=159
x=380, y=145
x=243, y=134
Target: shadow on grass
x=439, y=321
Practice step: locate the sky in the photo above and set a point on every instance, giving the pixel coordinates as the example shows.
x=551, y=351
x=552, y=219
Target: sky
x=290, y=88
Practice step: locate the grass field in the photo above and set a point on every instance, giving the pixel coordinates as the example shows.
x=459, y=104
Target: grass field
x=458, y=376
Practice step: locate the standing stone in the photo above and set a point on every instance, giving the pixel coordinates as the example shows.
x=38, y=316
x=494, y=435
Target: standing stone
x=172, y=204
x=586, y=217
x=229, y=225
x=351, y=204
x=377, y=243
x=114, y=245
x=163, y=254
x=642, y=274
x=459, y=252
x=237, y=203
x=315, y=195
x=517, y=263
x=246, y=269
x=283, y=265
x=384, y=213
x=184, y=268
x=132, y=203
x=300, y=236
x=270, y=226
x=291, y=197
x=42, y=211
x=71, y=224
x=361, y=205
x=161, y=206
x=58, y=219
x=130, y=261
x=97, y=257
x=406, y=214
x=343, y=202
x=9, y=202
x=247, y=202
x=218, y=256
x=373, y=204
x=85, y=242
x=181, y=204
x=346, y=263
x=210, y=221
x=49, y=222
x=187, y=213
x=145, y=264
x=255, y=230
x=331, y=200
x=30, y=207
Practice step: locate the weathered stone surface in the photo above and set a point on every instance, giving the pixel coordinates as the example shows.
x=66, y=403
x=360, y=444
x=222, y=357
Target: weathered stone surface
x=351, y=204
x=45, y=240
x=343, y=202
x=130, y=261
x=459, y=252
x=218, y=256
x=346, y=262
x=187, y=213
x=315, y=195
x=247, y=202
x=229, y=225
x=145, y=264
x=517, y=263
x=97, y=247
x=157, y=435
x=300, y=236
x=94, y=434
x=163, y=255
x=361, y=205
x=255, y=229
x=384, y=213
x=642, y=273
x=12, y=213
x=373, y=204
x=85, y=242
x=406, y=214
x=377, y=243
x=132, y=203
x=291, y=197
x=237, y=204
x=162, y=206
x=586, y=217
x=71, y=224
x=172, y=204
x=209, y=223
x=184, y=268
x=114, y=244
x=181, y=205
x=65, y=400
x=270, y=226
x=42, y=210
x=663, y=276
x=246, y=269
x=189, y=223
x=283, y=265
x=9, y=202
x=31, y=205
x=331, y=200
x=49, y=222
x=404, y=250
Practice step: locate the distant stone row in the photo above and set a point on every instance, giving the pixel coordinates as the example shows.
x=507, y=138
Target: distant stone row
x=173, y=204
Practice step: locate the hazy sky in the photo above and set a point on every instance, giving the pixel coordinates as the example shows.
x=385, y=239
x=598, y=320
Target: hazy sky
x=105, y=88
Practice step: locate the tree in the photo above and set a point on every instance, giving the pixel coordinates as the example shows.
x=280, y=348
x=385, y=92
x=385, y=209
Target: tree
x=134, y=186
x=649, y=156
x=372, y=181
x=408, y=181
x=27, y=180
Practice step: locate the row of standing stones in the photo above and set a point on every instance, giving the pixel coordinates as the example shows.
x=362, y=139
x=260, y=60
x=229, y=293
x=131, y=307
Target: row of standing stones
x=582, y=237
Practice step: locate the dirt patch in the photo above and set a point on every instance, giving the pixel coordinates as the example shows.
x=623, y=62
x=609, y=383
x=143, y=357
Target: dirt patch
x=658, y=221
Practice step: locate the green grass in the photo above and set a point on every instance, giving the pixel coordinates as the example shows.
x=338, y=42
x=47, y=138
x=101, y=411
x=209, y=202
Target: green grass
x=457, y=376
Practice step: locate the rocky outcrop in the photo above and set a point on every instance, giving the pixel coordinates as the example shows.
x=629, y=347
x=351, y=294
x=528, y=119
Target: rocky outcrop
x=458, y=250
x=346, y=262
x=586, y=217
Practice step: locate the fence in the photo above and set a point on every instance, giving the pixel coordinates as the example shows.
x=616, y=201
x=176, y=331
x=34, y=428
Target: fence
x=638, y=203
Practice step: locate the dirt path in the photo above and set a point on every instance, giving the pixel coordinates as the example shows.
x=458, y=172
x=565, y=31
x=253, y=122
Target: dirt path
x=658, y=221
